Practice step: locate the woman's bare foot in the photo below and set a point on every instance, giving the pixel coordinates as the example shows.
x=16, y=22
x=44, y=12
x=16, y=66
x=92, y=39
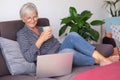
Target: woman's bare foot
x=105, y=62
x=101, y=60
x=114, y=58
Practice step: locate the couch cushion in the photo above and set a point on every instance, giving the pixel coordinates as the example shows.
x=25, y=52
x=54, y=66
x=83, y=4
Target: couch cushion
x=3, y=66
x=76, y=71
x=105, y=49
x=8, y=29
x=23, y=77
x=14, y=58
x=17, y=78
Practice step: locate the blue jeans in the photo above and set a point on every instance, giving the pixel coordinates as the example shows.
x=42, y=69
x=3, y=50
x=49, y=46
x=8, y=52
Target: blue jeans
x=81, y=49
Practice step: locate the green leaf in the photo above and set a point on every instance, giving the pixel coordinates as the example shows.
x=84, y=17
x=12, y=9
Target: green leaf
x=73, y=12
x=84, y=33
x=62, y=30
x=111, y=12
x=79, y=22
x=94, y=34
x=85, y=15
x=87, y=25
x=117, y=1
x=97, y=22
x=74, y=28
x=66, y=20
x=89, y=34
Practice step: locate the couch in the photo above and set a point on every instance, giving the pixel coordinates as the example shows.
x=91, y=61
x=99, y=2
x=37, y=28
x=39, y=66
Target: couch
x=8, y=30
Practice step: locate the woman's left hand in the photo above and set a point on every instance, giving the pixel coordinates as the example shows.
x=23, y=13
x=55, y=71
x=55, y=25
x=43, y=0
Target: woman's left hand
x=47, y=34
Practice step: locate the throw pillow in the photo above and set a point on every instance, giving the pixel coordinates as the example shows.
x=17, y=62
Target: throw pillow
x=14, y=58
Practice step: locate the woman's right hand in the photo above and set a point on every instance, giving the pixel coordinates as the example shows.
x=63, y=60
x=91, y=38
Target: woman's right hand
x=47, y=34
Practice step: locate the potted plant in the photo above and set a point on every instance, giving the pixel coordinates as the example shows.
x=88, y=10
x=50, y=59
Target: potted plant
x=112, y=7
x=78, y=22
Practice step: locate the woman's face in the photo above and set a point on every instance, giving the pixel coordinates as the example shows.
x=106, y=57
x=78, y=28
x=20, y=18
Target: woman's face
x=30, y=19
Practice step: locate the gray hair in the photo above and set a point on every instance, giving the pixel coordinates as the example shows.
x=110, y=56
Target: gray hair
x=27, y=8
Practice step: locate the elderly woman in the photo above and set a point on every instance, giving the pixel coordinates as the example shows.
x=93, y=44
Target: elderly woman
x=34, y=41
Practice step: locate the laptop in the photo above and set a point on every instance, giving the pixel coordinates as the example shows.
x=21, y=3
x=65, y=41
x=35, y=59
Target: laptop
x=54, y=65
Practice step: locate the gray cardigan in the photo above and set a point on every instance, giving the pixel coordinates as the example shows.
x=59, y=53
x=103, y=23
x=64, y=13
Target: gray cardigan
x=27, y=38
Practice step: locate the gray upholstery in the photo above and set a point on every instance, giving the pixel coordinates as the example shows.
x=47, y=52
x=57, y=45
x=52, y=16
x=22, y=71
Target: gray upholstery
x=105, y=49
x=8, y=30
x=22, y=77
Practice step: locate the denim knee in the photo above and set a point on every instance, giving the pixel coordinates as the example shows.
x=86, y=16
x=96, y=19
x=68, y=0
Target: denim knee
x=73, y=34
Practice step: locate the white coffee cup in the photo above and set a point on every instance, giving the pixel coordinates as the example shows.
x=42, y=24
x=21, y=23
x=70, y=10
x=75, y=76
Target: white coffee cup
x=46, y=28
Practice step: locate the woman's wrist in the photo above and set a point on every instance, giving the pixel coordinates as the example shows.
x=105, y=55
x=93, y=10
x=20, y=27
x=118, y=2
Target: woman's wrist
x=39, y=43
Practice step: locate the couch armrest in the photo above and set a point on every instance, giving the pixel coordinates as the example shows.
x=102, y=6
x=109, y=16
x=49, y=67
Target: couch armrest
x=105, y=49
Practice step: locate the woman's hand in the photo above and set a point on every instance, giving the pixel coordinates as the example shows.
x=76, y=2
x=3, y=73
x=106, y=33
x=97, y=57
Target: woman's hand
x=47, y=34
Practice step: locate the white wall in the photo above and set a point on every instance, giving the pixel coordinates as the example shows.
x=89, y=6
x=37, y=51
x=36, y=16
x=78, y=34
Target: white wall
x=52, y=9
